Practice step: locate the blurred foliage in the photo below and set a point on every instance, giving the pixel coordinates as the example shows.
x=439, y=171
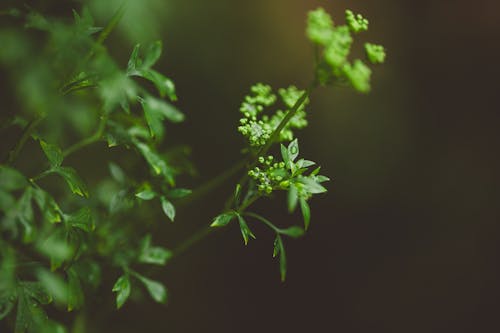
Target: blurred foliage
x=66, y=239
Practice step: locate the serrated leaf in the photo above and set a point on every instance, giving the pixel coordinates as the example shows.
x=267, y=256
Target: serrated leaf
x=178, y=193
x=168, y=208
x=222, y=219
x=53, y=153
x=146, y=195
x=74, y=182
x=293, y=150
x=122, y=287
x=245, y=230
x=292, y=198
x=30, y=316
x=153, y=254
x=294, y=232
x=156, y=289
x=75, y=292
x=152, y=54
x=82, y=219
x=11, y=179
x=306, y=212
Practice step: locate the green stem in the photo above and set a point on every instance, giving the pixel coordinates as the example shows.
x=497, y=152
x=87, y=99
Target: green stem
x=89, y=140
x=265, y=221
x=28, y=130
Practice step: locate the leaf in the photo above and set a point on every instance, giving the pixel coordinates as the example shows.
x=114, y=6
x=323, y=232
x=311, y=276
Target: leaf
x=48, y=206
x=237, y=192
x=53, y=153
x=321, y=179
x=153, y=254
x=279, y=248
x=285, y=155
x=82, y=219
x=302, y=163
x=293, y=150
x=122, y=288
x=222, y=219
x=306, y=212
x=146, y=195
x=161, y=109
x=158, y=164
x=133, y=60
x=168, y=208
x=74, y=182
x=163, y=84
x=7, y=302
x=55, y=285
x=245, y=230
x=156, y=289
x=293, y=231
x=152, y=54
x=117, y=173
x=11, y=179
x=30, y=316
x=7, y=201
x=25, y=214
x=292, y=198
x=75, y=292
x=36, y=291
x=311, y=186
x=56, y=248
x=178, y=193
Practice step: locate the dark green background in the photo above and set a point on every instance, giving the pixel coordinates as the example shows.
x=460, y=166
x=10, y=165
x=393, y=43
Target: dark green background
x=407, y=239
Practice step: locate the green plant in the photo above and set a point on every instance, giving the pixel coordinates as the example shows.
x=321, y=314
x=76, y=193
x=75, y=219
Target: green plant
x=58, y=233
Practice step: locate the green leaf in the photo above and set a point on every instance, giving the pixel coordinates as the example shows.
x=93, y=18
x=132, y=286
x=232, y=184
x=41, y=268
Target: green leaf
x=122, y=287
x=152, y=54
x=157, y=163
x=302, y=163
x=157, y=108
x=146, y=195
x=292, y=198
x=280, y=249
x=56, y=248
x=285, y=155
x=53, y=153
x=245, y=230
x=74, y=182
x=75, y=292
x=30, y=316
x=7, y=201
x=7, y=301
x=168, y=208
x=133, y=61
x=82, y=219
x=178, y=193
x=293, y=231
x=48, y=206
x=25, y=214
x=311, y=186
x=117, y=173
x=11, y=179
x=293, y=150
x=55, y=285
x=153, y=254
x=156, y=289
x=306, y=212
x=222, y=219
x=163, y=84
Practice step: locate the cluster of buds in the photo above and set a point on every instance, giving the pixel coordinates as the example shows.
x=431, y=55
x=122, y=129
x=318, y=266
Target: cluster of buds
x=270, y=175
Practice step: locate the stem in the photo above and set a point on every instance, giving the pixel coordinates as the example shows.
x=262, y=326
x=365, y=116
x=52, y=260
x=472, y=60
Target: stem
x=89, y=140
x=264, y=220
x=32, y=125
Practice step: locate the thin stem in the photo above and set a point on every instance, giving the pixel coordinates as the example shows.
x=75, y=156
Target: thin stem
x=89, y=140
x=195, y=238
x=264, y=220
x=32, y=125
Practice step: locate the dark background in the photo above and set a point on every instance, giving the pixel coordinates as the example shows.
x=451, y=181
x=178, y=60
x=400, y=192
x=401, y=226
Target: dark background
x=406, y=239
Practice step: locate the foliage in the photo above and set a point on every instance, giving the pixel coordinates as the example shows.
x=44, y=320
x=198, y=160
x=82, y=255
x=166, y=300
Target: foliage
x=60, y=233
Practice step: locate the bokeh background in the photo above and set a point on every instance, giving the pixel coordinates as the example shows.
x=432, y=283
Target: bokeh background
x=406, y=240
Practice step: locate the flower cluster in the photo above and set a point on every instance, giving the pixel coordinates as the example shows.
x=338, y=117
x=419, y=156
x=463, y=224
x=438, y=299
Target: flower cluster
x=336, y=42
x=258, y=129
x=270, y=175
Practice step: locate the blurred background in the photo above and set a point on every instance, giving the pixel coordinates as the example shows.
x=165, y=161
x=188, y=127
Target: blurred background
x=408, y=236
